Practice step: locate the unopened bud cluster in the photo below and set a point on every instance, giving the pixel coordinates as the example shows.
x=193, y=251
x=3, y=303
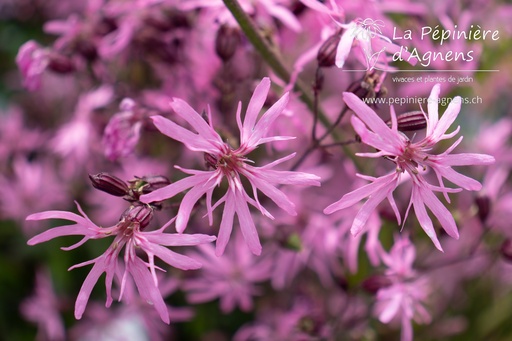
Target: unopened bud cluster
x=326, y=56
x=139, y=213
x=130, y=191
x=410, y=121
x=226, y=42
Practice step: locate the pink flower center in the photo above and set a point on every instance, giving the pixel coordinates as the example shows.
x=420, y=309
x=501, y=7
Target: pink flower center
x=229, y=163
x=410, y=159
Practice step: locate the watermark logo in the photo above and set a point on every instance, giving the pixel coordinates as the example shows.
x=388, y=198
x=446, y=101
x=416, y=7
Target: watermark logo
x=372, y=27
x=365, y=32
x=422, y=46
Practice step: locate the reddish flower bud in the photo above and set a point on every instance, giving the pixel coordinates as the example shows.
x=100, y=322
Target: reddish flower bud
x=326, y=56
x=109, y=183
x=226, y=42
x=60, y=64
x=410, y=121
x=484, y=207
x=141, y=214
x=87, y=49
x=375, y=283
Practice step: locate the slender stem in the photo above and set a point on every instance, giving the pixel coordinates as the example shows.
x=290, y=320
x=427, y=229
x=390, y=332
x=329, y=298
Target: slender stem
x=271, y=56
x=303, y=157
x=338, y=144
x=316, y=90
x=338, y=120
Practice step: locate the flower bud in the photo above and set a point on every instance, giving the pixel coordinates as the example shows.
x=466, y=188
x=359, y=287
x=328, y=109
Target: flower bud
x=87, y=49
x=375, y=283
x=326, y=56
x=109, y=183
x=141, y=214
x=60, y=64
x=410, y=121
x=484, y=207
x=506, y=250
x=226, y=42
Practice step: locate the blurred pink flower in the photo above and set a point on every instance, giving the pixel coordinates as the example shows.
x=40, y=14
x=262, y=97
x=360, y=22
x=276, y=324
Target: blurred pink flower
x=133, y=319
x=414, y=158
x=231, y=278
x=12, y=126
x=23, y=189
x=32, y=60
x=129, y=233
x=43, y=309
x=263, y=9
x=229, y=163
x=275, y=323
x=122, y=132
x=404, y=297
x=313, y=243
x=76, y=140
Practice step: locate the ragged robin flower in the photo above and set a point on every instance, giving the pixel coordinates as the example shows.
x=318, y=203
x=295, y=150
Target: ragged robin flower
x=231, y=164
x=413, y=159
x=131, y=235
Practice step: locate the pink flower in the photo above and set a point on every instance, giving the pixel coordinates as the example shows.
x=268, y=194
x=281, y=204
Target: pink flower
x=413, y=159
x=134, y=319
x=22, y=191
x=230, y=163
x=231, y=278
x=76, y=140
x=122, y=132
x=128, y=233
x=404, y=296
x=43, y=308
x=32, y=60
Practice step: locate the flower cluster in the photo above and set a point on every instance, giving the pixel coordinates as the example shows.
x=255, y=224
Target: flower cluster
x=413, y=159
x=129, y=233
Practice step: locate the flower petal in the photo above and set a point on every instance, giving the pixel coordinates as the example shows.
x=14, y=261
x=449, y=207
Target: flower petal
x=226, y=224
x=247, y=225
x=432, y=107
x=178, y=239
x=147, y=288
x=345, y=45
x=372, y=120
x=253, y=109
x=191, y=140
x=423, y=218
x=174, y=259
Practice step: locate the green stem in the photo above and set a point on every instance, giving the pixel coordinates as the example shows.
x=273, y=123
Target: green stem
x=271, y=56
